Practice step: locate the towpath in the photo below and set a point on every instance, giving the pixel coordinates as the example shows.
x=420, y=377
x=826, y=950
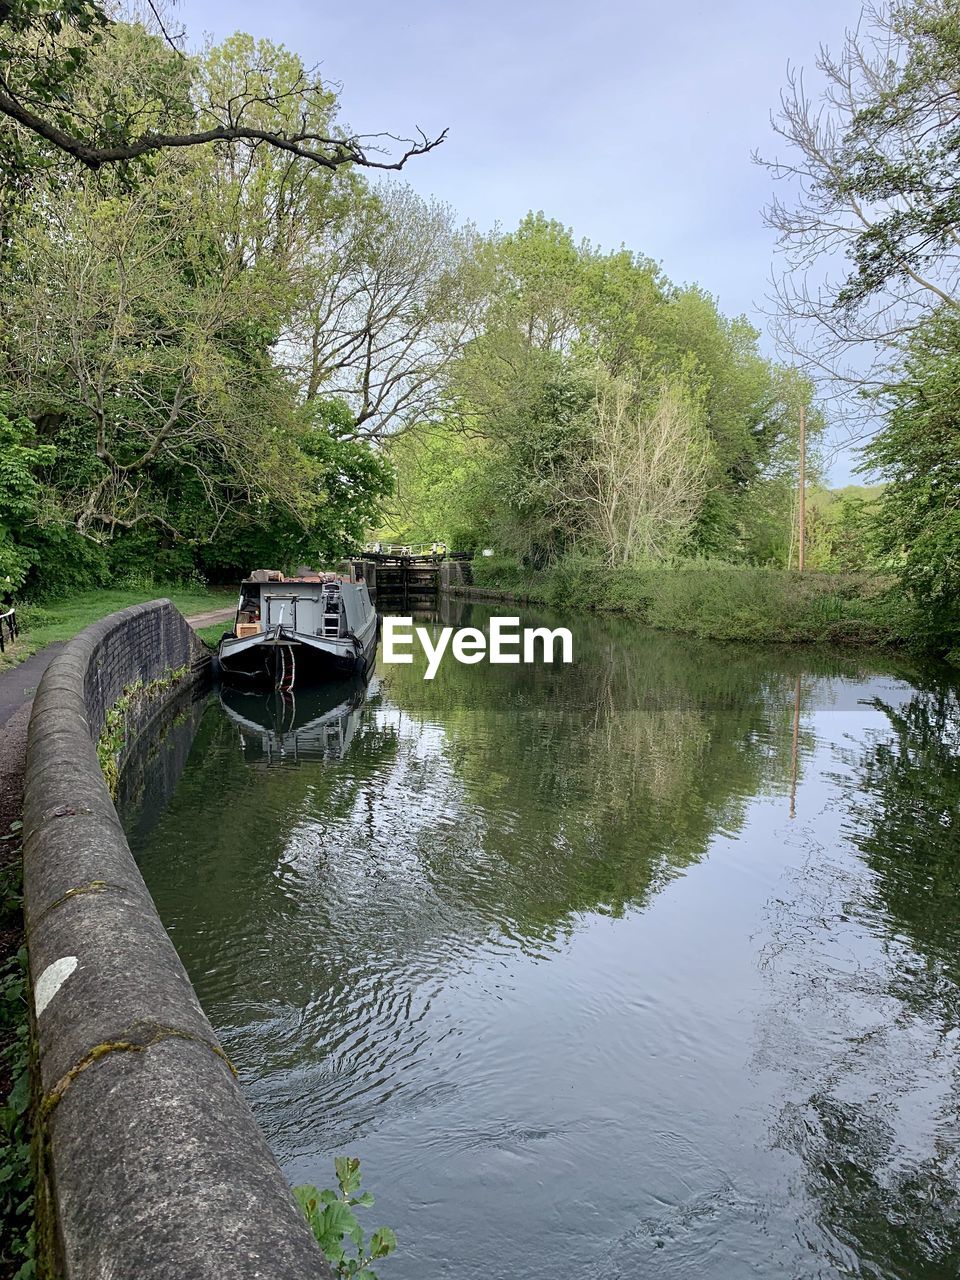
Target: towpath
x=200, y=620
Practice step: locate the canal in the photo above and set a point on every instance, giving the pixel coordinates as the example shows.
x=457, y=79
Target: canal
x=644, y=967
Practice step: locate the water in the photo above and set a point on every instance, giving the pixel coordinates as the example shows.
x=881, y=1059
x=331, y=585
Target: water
x=547, y=950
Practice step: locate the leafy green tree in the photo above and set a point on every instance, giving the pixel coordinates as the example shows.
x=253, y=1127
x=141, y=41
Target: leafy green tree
x=751, y=408
x=438, y=494
x=21, y=497
x=531, y=408
x=132, y=326
x=917, y=454
x=208, y=340
x=562, y=320
x=46, y=47
x=840, y=525
x=375, y=284
x=904, y=157
x=343, y=480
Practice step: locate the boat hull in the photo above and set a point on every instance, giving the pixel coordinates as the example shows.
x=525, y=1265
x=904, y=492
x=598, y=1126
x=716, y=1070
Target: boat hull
x=292, y=657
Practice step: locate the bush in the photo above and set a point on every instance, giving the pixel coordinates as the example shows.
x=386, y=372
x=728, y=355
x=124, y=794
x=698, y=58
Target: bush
x=63, y=562
x=714, y=600
x=500, y=573
x=139, y=559
x=30, y=616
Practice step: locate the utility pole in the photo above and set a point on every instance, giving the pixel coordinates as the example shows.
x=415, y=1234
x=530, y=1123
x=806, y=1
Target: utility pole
x=803, y=486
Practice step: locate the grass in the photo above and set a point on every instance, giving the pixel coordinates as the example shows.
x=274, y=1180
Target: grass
x=717, y=601
x=52, y=620
x=211, y=635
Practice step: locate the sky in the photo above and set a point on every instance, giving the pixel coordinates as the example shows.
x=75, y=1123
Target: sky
x=630, y=123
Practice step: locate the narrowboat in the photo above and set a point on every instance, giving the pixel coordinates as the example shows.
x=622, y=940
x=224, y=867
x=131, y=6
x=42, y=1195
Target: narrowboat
x=311, y=628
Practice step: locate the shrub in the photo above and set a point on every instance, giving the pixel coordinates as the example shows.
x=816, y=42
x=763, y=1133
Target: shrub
x=719, y=601
x=63, y=562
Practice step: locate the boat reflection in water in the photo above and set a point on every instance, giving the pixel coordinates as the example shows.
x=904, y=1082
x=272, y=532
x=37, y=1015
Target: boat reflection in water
x=287, y=727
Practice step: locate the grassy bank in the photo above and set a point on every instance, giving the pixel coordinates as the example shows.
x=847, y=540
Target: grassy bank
x=211, y=635
x=63, y=619
x=716, y=601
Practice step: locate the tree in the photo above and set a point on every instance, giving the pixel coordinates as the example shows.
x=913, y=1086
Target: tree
x=46, y=46
x=153, y=328
x=440, y=490
x=273, y=205
x=647, y=468
x=872, y=188
x=876, y=180
x=135, y=337
x=377, y=286
x=530, y=408
x=21, y=496
x=557, y=311
x=840, y=526
x=917, y=454
x=390, y=300
x=343, y=482
x=537, y=283
x=751, y=407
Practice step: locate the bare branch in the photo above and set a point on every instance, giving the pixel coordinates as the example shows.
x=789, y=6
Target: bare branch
x=306, y=145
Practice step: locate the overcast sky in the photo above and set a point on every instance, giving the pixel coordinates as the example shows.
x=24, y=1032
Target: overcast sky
x=631, y=123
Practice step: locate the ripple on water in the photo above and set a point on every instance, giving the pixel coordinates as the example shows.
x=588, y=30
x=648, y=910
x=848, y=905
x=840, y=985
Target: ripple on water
x=547, y=949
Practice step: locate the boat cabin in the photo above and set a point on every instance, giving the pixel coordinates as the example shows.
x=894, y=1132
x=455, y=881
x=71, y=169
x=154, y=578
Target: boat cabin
x=323, y=605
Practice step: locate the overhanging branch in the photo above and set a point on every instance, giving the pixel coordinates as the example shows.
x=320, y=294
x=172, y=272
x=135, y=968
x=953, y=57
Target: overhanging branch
x=329, y=153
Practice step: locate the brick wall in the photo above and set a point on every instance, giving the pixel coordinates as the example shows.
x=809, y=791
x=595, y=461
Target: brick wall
x=140, y=643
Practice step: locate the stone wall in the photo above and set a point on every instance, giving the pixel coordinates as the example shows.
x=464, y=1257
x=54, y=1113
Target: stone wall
x=150, y=1162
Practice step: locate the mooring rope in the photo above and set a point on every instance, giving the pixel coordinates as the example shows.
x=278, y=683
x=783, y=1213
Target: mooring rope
x=287, y=680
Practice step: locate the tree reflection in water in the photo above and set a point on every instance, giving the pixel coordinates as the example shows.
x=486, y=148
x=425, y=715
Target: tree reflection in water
x=867, y=983
x=545, y=946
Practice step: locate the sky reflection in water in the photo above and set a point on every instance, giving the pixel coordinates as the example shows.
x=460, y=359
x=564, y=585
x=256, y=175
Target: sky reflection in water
x=545, y=949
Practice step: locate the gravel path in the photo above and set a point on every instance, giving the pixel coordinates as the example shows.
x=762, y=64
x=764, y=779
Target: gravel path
x=198, y=620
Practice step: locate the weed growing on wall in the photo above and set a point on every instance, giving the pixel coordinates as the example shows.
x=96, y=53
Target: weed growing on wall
x=113, y=735
x=338, y=1233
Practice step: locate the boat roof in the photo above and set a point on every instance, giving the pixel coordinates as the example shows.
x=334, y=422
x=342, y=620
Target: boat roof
x=311, y=581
